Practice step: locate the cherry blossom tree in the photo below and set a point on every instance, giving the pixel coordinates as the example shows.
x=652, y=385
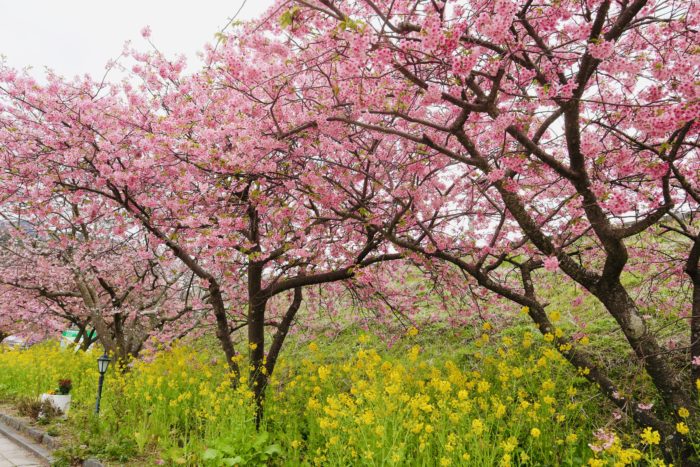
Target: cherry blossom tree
x=556, y=135
x=208, y=173
x=64, y=263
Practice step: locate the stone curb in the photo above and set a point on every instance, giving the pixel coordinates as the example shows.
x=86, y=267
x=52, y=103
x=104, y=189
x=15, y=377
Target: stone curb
x=37, y=450
x=16, y=430
x=38, y=436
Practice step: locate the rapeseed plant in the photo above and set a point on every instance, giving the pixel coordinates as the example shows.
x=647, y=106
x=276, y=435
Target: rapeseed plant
x=514, y=401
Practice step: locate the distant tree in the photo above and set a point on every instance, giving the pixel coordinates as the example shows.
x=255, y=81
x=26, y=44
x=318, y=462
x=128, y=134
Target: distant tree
x=63, y=263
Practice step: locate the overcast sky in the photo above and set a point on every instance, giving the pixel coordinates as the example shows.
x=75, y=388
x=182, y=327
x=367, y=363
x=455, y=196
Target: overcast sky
x=74, y=37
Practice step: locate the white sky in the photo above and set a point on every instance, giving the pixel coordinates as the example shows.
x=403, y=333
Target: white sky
x=74, y=37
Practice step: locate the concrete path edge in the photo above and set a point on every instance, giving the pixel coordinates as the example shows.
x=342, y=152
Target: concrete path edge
x=18, y=431
x=37, y=435
x=37, y=450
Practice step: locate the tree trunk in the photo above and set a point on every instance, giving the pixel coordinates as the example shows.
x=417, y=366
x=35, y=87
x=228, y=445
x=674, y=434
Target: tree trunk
x=621, y=306
x=81, y=333
x=282, y=330
x=695, y=337
x=88, y=340
x=257, y=303
x=692, y=268
x=223, y=332
x=120, y=349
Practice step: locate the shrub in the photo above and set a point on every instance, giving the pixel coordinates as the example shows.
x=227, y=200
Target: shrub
x=37, y=410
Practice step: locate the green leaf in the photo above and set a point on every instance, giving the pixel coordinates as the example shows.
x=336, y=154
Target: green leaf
x=287, y=18
x=210, y=454
x=273, y=450
x=350, y=24
x=261, y=439
x=238, y=460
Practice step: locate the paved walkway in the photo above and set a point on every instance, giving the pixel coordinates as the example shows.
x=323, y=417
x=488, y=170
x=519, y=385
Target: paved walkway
x=12, y=455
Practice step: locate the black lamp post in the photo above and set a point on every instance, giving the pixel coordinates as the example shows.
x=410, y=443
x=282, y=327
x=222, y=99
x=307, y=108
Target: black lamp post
x=102, y=365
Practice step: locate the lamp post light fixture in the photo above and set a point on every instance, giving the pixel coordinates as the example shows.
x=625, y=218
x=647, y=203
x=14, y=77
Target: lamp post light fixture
x=102, y=365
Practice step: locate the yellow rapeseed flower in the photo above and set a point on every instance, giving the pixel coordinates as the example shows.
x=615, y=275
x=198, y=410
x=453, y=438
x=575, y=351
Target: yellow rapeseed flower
x=548, y=385
x=500, y=410
x=323, y=372
x=483, y=386
x=682, y=428
x=510, y=444
x=650, y=436
x=629, y=456
x=535, y=432
x=313, y=404
x=367, y=417
x=477, y=426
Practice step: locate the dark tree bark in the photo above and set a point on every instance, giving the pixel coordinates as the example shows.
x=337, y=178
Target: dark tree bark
x=692, y=268
x=256, y=337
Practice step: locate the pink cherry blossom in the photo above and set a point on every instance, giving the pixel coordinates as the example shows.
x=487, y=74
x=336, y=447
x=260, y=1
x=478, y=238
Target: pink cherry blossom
x=551, y=263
